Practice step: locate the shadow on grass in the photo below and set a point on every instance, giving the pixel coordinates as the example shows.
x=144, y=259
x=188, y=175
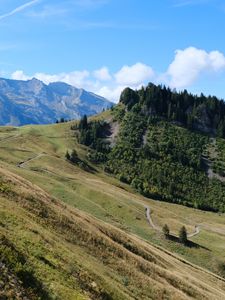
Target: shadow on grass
x=188, y=244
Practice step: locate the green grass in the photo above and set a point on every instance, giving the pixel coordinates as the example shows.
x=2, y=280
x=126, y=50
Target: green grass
x=100, y=196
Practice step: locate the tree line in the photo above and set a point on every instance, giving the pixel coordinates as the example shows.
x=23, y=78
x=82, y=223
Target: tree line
x=205, y=113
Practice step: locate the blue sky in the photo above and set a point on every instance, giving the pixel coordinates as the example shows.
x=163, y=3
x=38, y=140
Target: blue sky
x=105, y=45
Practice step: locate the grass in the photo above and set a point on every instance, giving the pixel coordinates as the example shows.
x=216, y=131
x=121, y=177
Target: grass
x=101, y=244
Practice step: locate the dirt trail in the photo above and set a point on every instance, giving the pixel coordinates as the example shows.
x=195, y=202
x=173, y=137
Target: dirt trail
x=197, y=231
x=23, y=164
x=151, y=223
x=148, y=216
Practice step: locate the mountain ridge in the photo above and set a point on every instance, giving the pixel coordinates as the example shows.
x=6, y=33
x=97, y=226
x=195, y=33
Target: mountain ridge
x=34, y=102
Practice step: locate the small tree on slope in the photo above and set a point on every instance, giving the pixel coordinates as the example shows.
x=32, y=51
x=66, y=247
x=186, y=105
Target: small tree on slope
x=183, y=235
x=166, y=231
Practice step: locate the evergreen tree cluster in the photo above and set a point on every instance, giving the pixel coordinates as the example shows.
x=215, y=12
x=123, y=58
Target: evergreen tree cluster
x=194, y=112
x=93, y=134
x=166, y=166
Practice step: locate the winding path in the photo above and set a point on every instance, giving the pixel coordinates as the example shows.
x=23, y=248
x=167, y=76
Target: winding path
x=151, y=223
x=23, y=164
x=148, y=216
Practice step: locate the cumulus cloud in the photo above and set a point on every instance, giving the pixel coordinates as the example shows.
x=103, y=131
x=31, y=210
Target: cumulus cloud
x=76, y=78
x=133, y=75
x=102, y=74
x=186, y=68
x=99, y=81
x=190, y=63
x=111, y=93
x=19, y=75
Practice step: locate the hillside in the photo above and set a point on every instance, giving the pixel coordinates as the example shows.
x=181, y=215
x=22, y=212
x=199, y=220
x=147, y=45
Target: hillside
x=162, y=157
x=33, y=102
x=81, y=234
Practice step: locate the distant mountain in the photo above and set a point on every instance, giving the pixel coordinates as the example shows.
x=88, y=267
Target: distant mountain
x=33, y=102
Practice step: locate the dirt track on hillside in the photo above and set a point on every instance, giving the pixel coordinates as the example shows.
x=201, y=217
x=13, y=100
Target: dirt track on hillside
x=151, y=223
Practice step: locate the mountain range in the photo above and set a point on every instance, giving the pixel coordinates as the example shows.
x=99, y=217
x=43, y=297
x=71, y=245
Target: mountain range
x=33, y=102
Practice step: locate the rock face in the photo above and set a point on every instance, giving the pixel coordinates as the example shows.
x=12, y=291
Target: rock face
x=33, y=102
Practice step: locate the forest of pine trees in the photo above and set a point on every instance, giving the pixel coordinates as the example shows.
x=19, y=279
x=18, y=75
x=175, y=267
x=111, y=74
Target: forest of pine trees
x=167, y=165
x=195, y=112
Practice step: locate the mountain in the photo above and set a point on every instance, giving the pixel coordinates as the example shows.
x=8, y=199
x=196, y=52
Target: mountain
x=33, y=102
x=70, y=231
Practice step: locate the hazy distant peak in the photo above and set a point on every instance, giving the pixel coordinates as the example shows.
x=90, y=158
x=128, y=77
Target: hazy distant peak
x=34, y=102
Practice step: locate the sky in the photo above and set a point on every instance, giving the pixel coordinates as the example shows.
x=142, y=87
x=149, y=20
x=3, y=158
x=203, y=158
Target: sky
x=106, y=45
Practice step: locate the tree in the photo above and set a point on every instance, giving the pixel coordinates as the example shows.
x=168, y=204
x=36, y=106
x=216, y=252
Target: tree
x=129, y=97
x=166, y=231
x=74, y=157
x=67, y=156
x=183, y=235
x=221, y=129
x=83, y=125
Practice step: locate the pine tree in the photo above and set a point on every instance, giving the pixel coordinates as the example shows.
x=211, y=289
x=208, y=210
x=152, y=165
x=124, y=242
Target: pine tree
x=74, y=157
x=221, y=129
x=83, y=125
x=166, y=231
x=169, y=111
x=183, y=235
x=67, y=156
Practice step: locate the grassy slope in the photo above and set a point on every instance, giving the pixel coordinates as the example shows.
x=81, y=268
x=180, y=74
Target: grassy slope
x=109, y=201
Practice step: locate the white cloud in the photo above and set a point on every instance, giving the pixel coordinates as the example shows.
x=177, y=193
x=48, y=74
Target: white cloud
x=217, y=60
x=186, y=68
x=111, y=93
x=19, y=75
x=190, y=63
x=19, y=9
x=102, y=74
x=134, y=75
x=99, y=81
x=76, y=78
